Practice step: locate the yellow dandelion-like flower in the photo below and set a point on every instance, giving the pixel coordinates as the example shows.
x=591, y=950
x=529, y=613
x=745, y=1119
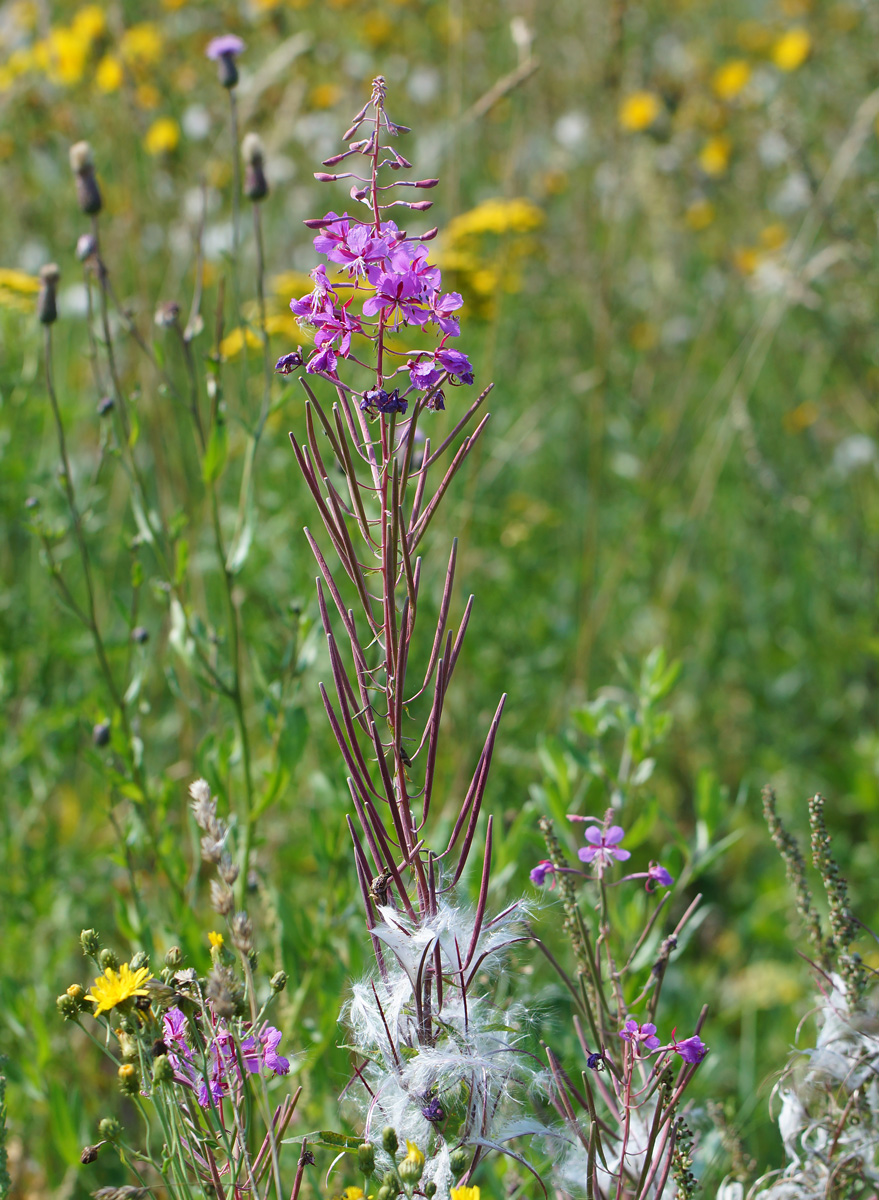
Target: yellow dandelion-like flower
x=465, y=1193
x=325, y=95
x=62, y=56
x=141, y=44
x=147, y=96
x=746, y=259
x=18, y=290
x=378, y=29
x=89, y=22
x=754, y=37
x=700, y=214
x=216, y=940
x=233, y=343
x=801, y=417
x=639, y=110
x=162, y=137
x=352, y=1193
x=731, y=78
x=108, y=74
x=414, y=1156
x=774, y=236
x=495, y=215
x=792, y=49
x=114, y=987
x=715, y=155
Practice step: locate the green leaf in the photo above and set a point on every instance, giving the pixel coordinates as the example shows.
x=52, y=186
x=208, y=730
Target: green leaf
x=215, y=455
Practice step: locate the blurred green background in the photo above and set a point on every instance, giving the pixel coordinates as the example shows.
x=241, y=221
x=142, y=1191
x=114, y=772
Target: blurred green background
x=662, y=217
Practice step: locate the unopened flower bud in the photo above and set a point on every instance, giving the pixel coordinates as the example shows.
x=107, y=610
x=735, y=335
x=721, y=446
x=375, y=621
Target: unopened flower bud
x=108, y=958
x=87, y=191
x=411, y=1168
x=90, y=942
x=390, y=1183
x=386, y=1193
x=139, y=960
x=47, y=301
x=109, y=1129
x=366, y=1158
x=89, y=1154
x=163, y=1071
x=67, y=1006
x=389, y=1139
x=174, y=957
x=430, y=1188
x=128, y=1045
x=279, y=982
x=101, y=733
x=223, y=51
x=129, y=1080
x=459, y=1161
x=77, y=994
x=256, y=187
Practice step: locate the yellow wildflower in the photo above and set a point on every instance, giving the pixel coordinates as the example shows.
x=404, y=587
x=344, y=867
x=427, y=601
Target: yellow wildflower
x=352, y=1193
x=162, y=137
x=18, y=290
x=754, y=37
x=639, y=110
x=378, y=29
x=141, y=44
x=792, y=49
x=746, y=259
x=89, y=22
x=700, y=214
x=115, y=987
x=465, y=1193
x=496, y=215
x=325, y=95
x=148, y=97
x=715, y=155
x=216, y=940
x=801, y=417
x=731, y=78
x=233, y=343
x=62, y=55
x=773, y=236
x=173, y=4
x=108, y=74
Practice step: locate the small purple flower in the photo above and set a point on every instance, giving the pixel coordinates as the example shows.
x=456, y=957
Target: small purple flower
x=604, y=846
x=400, y=297
x=424, y=373
x=226, y=43
x=325, y=360
x=270, y=1039
x=441, y=308
x=540, y=872
x=384, y=402
x=223, y=51
x=691, y=1050
x=288, y=363
x=432, y=1110
x=657, y=874
x=456, y=364
x=640, y=1035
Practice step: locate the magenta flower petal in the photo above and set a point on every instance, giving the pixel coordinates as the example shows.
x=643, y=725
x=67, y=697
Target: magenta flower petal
x=226, y=43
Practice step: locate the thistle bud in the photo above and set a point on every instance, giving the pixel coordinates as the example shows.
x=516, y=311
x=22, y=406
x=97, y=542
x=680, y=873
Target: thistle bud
x=86, y=246
x=163, y=1071
x=139, y=960
x=459, y=1161
x=389, y=1139
x=47, y=301
x=108, y=958
x=110, y=1129
x=68, y=1007
x=278, y=983
x=223, y=51
x=256, y=187
x=87, y=191
x=129, y=1080
x=412, y=1167
x=90, y=942
x=101, y=733
x=174, y=957
x=89, y=1154
x=366, y=1158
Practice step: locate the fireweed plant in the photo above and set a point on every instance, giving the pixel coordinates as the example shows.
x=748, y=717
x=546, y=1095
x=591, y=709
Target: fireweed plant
x=623, y=1103
x=193, y=1054
x=435, y=1063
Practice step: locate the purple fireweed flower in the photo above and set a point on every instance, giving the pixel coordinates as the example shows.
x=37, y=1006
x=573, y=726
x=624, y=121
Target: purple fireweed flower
x=399, y=297
x=325, y=361
x=432, y=1110
x=335, y=323
x=604, y=846
x=360, y=253
x=456, y=363
x=540, y=872
x=640, y=1035
x=424, y=374
x=288, y=363
x=263, y=1051
x=691, y=1049
x=226, y=43
x=441, y=308
x=657, y=874
x=595, y=1062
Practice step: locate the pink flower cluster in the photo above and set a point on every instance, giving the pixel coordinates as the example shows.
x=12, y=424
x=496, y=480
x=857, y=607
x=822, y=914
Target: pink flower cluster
x=225, y=1072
